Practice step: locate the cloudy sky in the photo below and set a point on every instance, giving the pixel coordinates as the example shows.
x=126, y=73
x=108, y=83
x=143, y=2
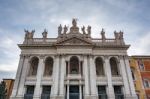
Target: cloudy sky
x=130, y=16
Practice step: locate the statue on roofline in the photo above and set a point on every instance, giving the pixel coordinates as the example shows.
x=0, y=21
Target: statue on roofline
x=29, y=35
x=116, y=34
x=89, y=29
x=59, y=30
x=74, y=22
x=83, y=30
x=65, y=29
x=103, y=34
x=44, y=34
x=120, y=35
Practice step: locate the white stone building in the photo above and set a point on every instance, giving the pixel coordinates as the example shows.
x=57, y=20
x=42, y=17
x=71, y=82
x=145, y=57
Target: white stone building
x=73, y=66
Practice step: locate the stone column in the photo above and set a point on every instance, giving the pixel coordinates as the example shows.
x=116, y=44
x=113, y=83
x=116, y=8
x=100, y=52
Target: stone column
x=18, y=76
x=129, y=75
x=62, y=77
x=110, y=88
x=81, y=68
x=86, y=78
x=125, y=80
x=37, y=90
x=20, y=93
x=69, y=67
x=55, y=78
x=93, y=79
x=80, y=91
x=68, y=90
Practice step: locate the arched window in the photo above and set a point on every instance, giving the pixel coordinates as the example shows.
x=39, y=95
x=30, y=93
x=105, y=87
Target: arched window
x=114, y=66
x=74, y=65
x=33, y=66
x=99, y=66
x=48, y=66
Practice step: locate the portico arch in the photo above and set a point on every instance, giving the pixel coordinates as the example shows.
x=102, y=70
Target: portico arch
x=99, y=66
x=33, y=66
x=114, y=66
x=48, y=66
x=74, y=65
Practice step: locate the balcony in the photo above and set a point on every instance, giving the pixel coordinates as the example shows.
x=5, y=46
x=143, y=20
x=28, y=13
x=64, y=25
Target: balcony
x=45, y=96
x=28, y=96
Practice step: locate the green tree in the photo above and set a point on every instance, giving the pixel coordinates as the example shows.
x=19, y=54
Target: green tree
x=3, y=90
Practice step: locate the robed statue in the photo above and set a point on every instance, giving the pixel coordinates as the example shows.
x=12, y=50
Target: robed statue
x=74, y=22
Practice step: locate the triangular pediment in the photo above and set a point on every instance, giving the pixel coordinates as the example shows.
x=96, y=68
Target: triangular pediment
x=74, y=41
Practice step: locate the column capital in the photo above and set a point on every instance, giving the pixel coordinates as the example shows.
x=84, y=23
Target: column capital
x=120, y=56
x=57, y=55
x=27, y=55
x=106, y=56
x=63, y=56
x=22, y=56
x=91, y=56
x=126, y=56
x=41, y=56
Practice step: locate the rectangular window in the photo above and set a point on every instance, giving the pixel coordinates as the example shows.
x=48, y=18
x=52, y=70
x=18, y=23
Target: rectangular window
x=29, y=92
x=102, y=92
x=146, y=83
x=141, y=65
x=118, y=92
x=46, y=92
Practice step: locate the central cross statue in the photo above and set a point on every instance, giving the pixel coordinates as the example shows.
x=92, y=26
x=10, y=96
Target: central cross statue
x=74, y=22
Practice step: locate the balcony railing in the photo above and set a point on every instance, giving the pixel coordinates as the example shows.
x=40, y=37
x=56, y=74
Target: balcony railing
x=119, y=96
x=102, y=96
x=45, y=96
x=28, y=96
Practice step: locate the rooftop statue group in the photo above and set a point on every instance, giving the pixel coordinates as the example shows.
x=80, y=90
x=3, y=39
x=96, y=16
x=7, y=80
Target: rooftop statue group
x=118, y=35
x=73, y=29
x=29, y=35
x=74, y=26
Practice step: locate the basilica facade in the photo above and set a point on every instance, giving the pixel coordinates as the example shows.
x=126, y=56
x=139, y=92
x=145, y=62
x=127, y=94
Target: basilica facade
x=73, y=66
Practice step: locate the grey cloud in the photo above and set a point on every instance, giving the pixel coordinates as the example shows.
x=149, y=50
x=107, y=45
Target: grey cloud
x=124, y=15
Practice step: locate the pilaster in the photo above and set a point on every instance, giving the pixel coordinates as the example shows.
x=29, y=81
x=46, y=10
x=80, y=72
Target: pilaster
x=125, y=80
x=23, y=77
x=68, y=89
x=18, y=76
x=86, y=77
x=38, y=87
x=80, y=90
x=93, y=86
x=110, y=90
x=55, y=87
x=62, y=76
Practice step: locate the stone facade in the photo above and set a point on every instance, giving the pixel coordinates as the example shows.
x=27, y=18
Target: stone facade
x=75, y=64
